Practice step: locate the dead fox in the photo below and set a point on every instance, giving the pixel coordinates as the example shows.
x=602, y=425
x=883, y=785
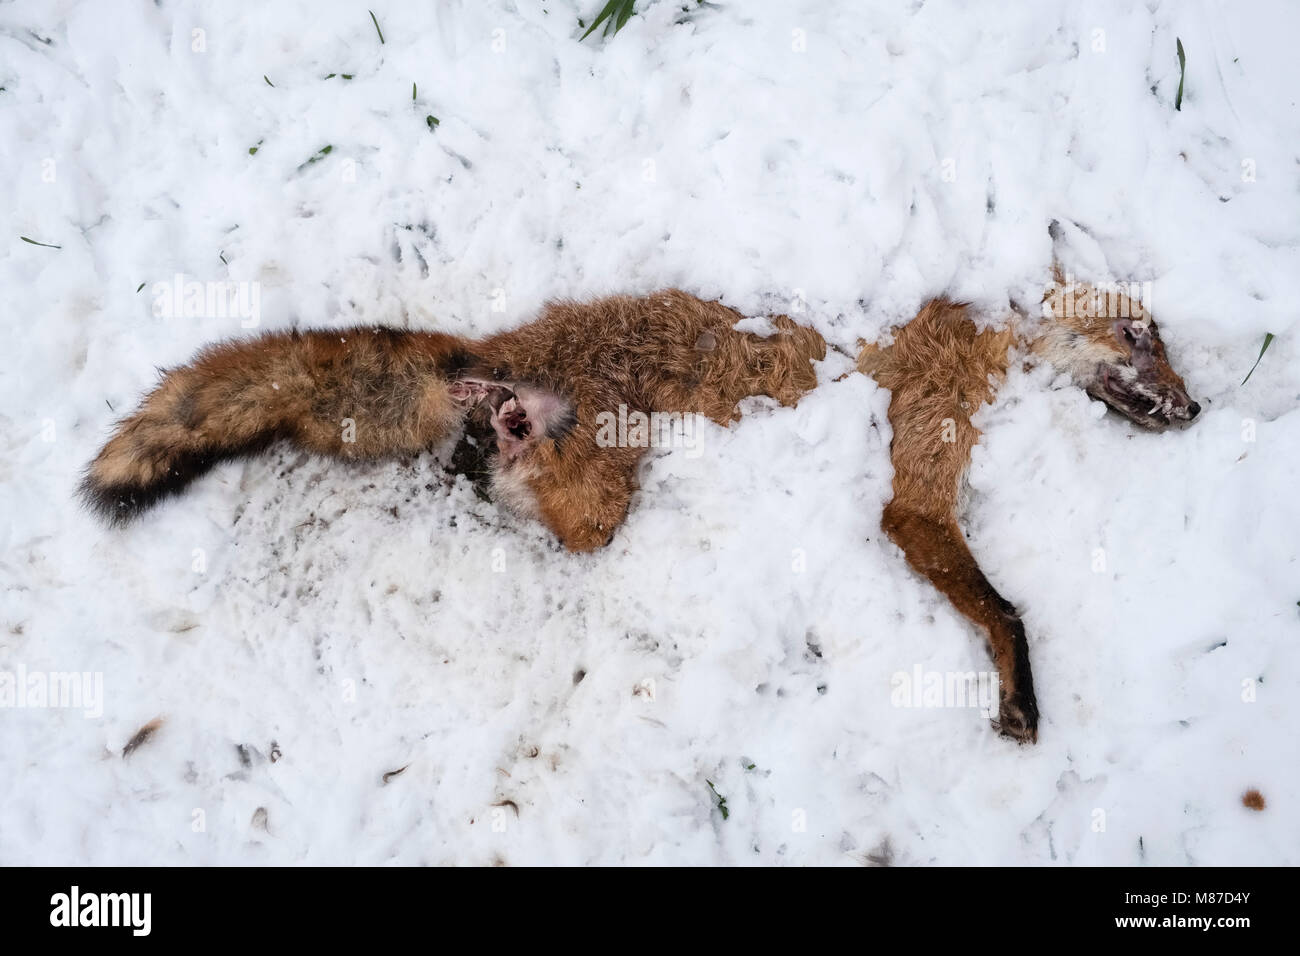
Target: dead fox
x=534, y=392
x=940, y=369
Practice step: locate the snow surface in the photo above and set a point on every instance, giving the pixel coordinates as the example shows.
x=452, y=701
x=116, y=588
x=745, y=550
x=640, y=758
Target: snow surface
x=745, y=624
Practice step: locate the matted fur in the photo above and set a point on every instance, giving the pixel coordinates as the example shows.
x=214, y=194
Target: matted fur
x=667, y=352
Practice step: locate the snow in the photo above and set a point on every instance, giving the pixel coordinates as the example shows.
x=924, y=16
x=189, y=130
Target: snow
x=840, y=161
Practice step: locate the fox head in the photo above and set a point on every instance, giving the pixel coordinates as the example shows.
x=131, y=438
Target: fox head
x=1108, y=343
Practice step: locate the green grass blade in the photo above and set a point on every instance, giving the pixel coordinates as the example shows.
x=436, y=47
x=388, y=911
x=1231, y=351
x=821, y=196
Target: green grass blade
x=722, y=801
x=1268, y=340
x=317, y=156
x=377, y=30
x=600, y=17
x=1182, y=75
x=624, y=15
x=614, y=15
x=47, y=245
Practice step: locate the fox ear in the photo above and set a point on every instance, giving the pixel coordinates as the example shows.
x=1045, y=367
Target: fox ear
x=1138, y=337
x=1135, y=333
x=552, y=413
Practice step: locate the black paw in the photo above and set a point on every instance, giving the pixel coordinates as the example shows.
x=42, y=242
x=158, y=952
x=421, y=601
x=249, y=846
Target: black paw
x=1018, y=718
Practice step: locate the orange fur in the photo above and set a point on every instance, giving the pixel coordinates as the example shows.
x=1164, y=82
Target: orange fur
x=365, y=393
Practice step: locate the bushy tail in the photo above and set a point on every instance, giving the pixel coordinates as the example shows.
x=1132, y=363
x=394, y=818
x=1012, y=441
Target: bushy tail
x=357, y=393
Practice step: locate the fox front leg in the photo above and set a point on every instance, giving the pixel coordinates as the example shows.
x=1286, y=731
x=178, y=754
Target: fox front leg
x=934, y=546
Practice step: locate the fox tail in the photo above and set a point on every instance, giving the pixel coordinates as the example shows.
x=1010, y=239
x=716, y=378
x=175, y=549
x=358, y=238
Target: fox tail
x=353, y=394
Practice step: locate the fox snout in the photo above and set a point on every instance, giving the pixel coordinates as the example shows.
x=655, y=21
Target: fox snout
x=1143, y=398
x=1182, y=408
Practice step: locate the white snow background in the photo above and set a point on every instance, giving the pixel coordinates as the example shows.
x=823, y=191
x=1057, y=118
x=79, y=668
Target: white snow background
x=776, y=154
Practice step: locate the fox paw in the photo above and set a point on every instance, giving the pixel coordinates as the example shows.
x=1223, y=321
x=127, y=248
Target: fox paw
x=1018, y=718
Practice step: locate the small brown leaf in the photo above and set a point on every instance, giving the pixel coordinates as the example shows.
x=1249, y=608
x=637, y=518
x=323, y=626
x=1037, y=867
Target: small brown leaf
x=141, y=737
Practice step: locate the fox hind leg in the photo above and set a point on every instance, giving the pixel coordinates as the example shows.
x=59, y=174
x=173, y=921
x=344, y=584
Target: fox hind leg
x=725, y=365
x=788, y=371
